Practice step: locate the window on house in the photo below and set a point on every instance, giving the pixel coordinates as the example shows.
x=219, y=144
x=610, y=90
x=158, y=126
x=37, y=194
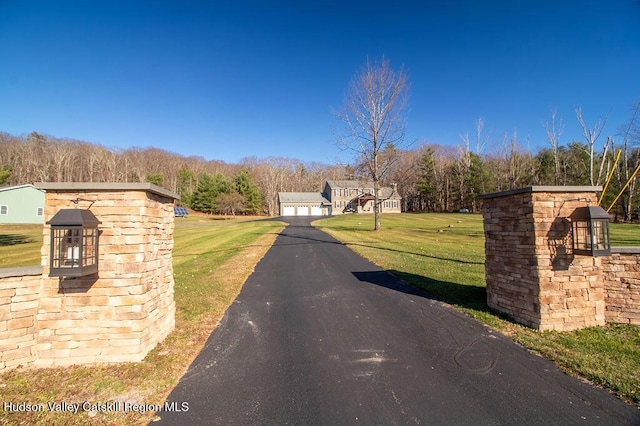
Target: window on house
x=4, y=210
x=40, y=211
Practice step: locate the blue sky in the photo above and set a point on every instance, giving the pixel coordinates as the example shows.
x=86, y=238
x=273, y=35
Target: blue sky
x=229, y=79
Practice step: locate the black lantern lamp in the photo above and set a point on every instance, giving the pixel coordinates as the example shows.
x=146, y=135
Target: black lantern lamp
x=74, y=243
x=590, y=226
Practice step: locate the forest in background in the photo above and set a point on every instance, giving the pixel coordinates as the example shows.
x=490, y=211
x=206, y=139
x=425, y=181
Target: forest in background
x=428, y=177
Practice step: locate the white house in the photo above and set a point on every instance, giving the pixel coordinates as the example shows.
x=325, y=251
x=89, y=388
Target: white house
x=21, y=204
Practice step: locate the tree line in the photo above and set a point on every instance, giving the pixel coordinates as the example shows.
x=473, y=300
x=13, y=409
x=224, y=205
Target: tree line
x=429, y=177
x=210, y=186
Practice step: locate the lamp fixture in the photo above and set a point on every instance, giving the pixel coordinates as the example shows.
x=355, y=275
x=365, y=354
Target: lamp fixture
x=590, y=230
x=74, y=243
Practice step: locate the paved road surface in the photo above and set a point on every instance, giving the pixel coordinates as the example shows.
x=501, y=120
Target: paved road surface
x=319, y=335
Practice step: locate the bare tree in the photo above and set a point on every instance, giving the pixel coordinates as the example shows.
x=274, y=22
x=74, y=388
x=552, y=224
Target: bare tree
x=518, y=163
x=60, y=154
x=372, y=120
x=462, y=166
x=481, y=140
x=406, y=175
x=591, y=136
x=270, y=174
x=554, y=131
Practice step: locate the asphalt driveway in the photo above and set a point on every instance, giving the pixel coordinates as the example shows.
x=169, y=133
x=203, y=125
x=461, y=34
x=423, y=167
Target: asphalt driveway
x=319, y=335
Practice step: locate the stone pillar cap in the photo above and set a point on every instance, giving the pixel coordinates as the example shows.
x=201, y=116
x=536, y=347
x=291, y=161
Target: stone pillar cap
x=105, y=186
x=531, y=189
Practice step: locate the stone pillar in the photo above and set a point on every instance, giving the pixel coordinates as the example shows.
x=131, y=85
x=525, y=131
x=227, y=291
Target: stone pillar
x=127, y=308
x=531, y=272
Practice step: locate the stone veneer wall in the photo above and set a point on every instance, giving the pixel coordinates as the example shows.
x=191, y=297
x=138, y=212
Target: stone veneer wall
x=622, y=285
x=116, y=315
x=19, y=292
x=531, y=273
x=510, y=263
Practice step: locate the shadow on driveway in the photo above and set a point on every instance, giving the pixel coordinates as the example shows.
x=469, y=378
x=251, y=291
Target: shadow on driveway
x=470, y=297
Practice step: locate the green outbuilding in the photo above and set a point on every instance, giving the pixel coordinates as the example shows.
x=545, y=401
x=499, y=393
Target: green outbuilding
x=21, y=204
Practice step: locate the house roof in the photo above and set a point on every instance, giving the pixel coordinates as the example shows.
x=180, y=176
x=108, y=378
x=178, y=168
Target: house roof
x=388, y=193
x=385, y=194
x=385, y=191
x=302, y=197
x=350, y=184
x=10, y=188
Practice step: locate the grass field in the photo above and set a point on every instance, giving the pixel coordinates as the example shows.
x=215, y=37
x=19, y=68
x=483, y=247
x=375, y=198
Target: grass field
x=20, y=245
x=443, y=254
x=625, y=234
x=211, y=259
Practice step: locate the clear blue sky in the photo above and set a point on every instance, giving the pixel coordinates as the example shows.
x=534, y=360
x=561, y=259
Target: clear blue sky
x=229, y=79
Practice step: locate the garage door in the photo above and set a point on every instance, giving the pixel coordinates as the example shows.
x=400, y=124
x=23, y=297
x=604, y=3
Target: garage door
x=303, y=211
x=316, y=211
x=288, y=211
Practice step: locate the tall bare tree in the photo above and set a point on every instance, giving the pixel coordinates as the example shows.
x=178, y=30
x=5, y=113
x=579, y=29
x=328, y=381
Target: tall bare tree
x=462, y=166
x=591, y=135
x=371, y=120
x=554, y=131
x=481, y=139
x=518, y=163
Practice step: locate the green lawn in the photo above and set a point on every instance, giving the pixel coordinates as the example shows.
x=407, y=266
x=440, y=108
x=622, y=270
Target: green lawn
x=20, y=245
x=625, y=234
x=443, y=254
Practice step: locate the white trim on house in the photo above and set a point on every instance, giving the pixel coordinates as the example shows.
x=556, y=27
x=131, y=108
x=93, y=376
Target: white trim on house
x=11, y=188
